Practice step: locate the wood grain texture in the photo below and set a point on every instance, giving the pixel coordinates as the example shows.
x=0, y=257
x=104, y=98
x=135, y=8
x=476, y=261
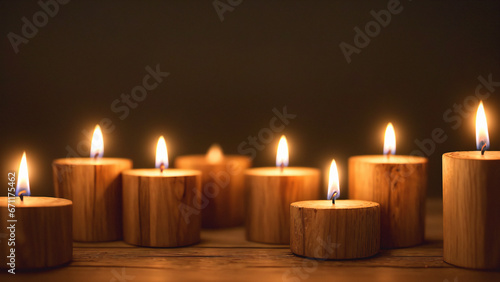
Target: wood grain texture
x=268, y=200
x=399, y=184
x=471, y=209
x=347, y=230
x=225, y=255
x=161, y=210
x=96, y=191
x=223, y=188
x=43, y=236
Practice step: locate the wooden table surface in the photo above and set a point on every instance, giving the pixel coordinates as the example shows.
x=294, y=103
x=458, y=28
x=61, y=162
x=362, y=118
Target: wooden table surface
x=226, y=255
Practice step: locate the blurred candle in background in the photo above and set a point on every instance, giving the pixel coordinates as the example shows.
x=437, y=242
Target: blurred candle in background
x=223, y=203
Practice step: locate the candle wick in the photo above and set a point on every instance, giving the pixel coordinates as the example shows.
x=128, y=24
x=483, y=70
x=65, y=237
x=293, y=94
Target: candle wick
x=21, y=195
x=282, y=167
x=162, y=167
x=96, y=155
x=483, y=149
x=333, y=197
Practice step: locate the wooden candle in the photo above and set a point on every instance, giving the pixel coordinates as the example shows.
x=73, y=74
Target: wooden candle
x=157, y=207
x=223, y=185
x=161, y=206
x=94, y=186
x=399, y=184
x=348, y=229
x=42, y=232
x=471, y=213
x=39, y=228
x=270, y=191
x=344, y=229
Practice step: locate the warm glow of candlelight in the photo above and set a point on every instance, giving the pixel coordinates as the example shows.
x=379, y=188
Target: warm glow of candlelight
x=97, y=145
x=482, y=136
x=282, y=154
x=390, y=140
x=215, y=154
x=23, y=181
x=161, y=153
x=333, y=182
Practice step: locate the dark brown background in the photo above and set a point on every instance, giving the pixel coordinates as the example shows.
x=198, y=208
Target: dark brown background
x=226, y=77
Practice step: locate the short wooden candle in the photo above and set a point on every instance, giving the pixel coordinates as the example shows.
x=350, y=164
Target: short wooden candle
x=399, y=184
x=223, y=186
x=42, y=232
x=471, y=213
x=348, y=229
x=161, y=209
x=94, y=186
x=270, y=192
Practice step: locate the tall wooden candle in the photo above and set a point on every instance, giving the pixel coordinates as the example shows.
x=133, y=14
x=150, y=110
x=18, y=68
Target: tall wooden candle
x=223, y=184
x=39, y=227
x=335, y=229
x=94, y=185
x=471, y=213
x=399, y=184
x=270, y=191
x=161, y=207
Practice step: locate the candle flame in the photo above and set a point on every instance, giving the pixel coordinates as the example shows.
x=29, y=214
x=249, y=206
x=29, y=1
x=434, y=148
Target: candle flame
x=97, y=145
x=282, y=154
x=215, y=154
x=23, y=181
x=390, y=140
x=333, y=182
x=482, y=136
x=161, y=153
